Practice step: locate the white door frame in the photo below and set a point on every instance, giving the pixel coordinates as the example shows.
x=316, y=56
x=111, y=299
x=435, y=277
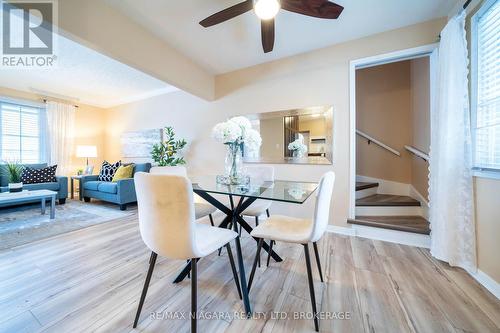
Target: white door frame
x=416, y=52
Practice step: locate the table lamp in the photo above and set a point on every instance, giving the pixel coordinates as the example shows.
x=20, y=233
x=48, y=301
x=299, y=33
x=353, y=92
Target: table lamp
x=86, y=152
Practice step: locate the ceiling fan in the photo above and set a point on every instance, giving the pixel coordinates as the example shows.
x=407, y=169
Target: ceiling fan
x=267, y=10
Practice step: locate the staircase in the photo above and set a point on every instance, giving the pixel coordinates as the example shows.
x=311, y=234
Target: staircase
x=394, y=212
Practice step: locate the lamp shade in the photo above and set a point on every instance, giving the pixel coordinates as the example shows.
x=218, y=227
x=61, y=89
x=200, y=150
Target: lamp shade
x=86, y=151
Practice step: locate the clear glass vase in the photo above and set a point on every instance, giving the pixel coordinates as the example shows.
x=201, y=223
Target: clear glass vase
x=297, y=153
x=234, y=163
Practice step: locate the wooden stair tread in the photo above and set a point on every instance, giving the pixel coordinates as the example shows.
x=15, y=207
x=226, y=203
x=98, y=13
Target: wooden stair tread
x=365, y=185
x=387, y=200
x=415, y=224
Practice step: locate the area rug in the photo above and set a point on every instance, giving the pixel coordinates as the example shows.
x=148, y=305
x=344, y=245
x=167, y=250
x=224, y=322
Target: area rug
x=25, y=224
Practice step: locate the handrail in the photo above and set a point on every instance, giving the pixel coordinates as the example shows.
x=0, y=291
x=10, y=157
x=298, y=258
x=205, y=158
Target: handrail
x=383, y=145
x=418, y=153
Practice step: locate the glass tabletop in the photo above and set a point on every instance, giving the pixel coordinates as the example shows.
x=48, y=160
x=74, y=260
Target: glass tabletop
x=278, y=190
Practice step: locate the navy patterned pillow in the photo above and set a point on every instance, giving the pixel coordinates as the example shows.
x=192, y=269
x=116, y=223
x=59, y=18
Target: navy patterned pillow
x=37, y=176
x=108, y=171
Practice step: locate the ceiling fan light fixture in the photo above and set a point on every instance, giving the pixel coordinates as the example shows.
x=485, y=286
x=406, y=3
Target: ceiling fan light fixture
x=266, y=9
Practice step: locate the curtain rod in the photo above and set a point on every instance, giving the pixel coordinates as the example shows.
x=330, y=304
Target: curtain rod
x=45, y=100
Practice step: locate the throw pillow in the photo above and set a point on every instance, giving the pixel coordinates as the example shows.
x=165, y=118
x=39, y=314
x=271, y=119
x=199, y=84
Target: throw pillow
x=108, y=171
x=124, y=172
x=37, y=176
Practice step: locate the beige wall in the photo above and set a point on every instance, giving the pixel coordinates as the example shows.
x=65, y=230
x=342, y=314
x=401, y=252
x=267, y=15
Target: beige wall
x=316, y=78
x=383, y=111
x=487, y=199
x=271, y=131
x=316, y=127
x=89, y=127
x=421, y=132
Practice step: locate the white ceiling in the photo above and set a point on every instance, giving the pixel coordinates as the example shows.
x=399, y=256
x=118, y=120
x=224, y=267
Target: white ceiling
x=236, y=43
x=85, y=76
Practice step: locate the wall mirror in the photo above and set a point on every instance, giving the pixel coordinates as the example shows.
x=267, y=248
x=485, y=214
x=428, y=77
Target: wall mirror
x=298, y=136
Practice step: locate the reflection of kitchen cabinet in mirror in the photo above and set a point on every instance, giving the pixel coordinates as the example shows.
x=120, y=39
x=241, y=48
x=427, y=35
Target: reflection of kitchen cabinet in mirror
x=298, y=136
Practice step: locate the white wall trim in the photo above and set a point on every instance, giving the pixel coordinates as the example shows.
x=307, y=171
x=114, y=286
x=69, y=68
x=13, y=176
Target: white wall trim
x=386, y=186
x=392, y=236
x=341, y=230
x=425, y=203
x=487, y=281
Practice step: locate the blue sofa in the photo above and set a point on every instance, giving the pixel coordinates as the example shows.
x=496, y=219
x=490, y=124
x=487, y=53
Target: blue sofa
x=121, y=192
x=60, y=186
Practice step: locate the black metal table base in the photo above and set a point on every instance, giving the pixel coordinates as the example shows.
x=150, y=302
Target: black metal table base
x=233, y=216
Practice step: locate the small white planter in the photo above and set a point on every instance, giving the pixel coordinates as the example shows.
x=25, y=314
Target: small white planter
x=168, y=170
x=15, y=187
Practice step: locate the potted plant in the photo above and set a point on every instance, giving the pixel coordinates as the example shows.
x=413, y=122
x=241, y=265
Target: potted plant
x=13, y=172
x=166, y=153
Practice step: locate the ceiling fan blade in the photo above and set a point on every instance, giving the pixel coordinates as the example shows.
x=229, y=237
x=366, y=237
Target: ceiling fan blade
x=315, y=8
x=227, y=13
x=267, y=32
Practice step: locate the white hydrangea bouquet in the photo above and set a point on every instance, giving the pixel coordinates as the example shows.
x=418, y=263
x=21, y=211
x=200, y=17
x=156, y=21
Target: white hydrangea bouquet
x=237, y=134
x=298, y=147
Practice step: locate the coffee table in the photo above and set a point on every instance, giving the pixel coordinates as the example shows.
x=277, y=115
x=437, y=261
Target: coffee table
x=31, y=196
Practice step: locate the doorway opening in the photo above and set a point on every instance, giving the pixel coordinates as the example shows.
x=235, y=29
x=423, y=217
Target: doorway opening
x=391, y=107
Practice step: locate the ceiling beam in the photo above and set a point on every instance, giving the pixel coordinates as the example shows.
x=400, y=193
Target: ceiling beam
x=98, y=26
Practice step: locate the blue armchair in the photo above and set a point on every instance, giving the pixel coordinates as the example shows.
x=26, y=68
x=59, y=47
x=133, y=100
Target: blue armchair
x=60, y=185
x=121, y=192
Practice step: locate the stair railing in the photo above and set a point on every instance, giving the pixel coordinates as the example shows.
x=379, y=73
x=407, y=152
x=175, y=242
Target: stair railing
x=418, y=153
x=377, y=142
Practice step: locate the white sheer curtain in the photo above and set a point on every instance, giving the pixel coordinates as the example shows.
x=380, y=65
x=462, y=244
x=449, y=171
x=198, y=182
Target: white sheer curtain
x=451, y=196
x=61, y=129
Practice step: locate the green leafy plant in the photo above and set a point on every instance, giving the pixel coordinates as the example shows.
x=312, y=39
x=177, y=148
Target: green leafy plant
x=166, y=153
x=13, y=171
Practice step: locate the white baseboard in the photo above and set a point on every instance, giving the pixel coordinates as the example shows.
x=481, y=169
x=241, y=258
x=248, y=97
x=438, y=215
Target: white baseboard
x=341, y=230
x=425, y=203
x=386, y=186
x=392, y=236
x=366, y=192
x=388, y=211
x=487, y=281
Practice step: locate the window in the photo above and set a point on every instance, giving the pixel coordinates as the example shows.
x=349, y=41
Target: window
x=22, y=133
x=485, y=71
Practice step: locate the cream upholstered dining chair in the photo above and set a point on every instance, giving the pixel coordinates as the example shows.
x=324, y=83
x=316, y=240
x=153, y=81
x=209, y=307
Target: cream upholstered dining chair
x=201, y=208
x=300, y=231
x=168, y=227
x=259, y=207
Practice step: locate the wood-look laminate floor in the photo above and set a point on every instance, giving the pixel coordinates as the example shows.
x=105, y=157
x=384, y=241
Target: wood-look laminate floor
x=90, y=281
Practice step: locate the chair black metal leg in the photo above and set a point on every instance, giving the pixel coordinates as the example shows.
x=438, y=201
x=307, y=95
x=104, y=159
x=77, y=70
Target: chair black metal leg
x=194, y=297
x=233, y=268
x=152, y=261
x=318, y=263
x=189, y=274
x=311, y=286
x=257, y=224
x=269, y=255
x=267, y=212
x=211, y=220
x=257, y=255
